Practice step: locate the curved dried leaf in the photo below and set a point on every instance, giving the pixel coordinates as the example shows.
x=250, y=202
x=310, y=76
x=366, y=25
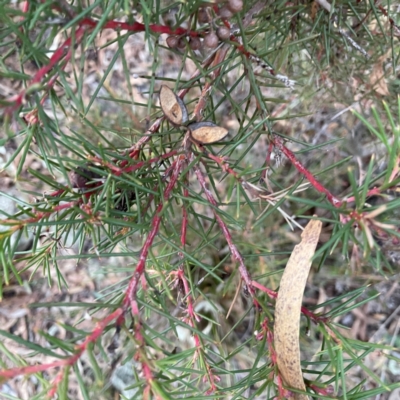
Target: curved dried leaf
x=206, y=132
x=288, y=308
x=173, y=107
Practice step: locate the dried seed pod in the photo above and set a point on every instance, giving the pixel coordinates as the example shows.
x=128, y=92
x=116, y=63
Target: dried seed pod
x=223, y=32
x=172, y=41
x=211, y=40
x=202, y=16
x=195, y=43
x=225, y=12
x=235, y=5
x=173, y=107
x=207, y=132
x=288, y=306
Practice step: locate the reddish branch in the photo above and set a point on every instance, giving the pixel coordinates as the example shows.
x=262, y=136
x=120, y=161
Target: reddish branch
x=129, y=299
x=234, y=250
x=135, y=149
x=69, y=361
x=303, y=170
x=273, y=295
x=373, y=192
x=39, y=215
x=141, y=357
x=118, y=171
x=88, y=24
x=184, y=217
x=65, y=50
x=130, y=294
x=218, y=59
x=138, y=27
x=297, y=164
x=191, y=320
x=63, y=54
x=393, y=24
x=182, y=282
x=244, y=272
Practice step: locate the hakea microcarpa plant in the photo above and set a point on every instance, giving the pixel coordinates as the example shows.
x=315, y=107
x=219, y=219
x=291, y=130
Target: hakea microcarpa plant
x=181, y=159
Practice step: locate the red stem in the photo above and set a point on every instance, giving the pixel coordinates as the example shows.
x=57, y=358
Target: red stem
x=61, y=52
x=33, y=369
x=309, y=176
x=234, y=250
x=373, y=192
x=130, y=294
x=118, y=171
x=65, y=51
x=184, y=219
x=273, y=294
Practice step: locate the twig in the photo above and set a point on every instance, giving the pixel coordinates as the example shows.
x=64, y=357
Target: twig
x=130, y=294
x=310, y=177
x=324, y=4
x=234, y=250
x=69, y=361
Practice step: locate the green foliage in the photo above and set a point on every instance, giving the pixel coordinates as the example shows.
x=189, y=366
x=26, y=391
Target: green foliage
x=82, y=103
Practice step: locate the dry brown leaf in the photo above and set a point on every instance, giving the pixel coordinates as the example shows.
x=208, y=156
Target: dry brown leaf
x=173, y=107
x=206, y=132
x=288, y=308
x=377, y=77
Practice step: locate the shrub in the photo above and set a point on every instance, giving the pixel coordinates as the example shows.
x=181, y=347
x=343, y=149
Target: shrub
x=183, y=224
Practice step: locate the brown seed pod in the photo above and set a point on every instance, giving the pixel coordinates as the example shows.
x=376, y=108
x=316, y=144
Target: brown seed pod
x=223, y=32
x=173, y=107
x=211, y=40
x=207, y=132
x=202, y=16
x=195, y=43
x=288, y=309
x=225, y=12
x=235, y=5
x=172, y=41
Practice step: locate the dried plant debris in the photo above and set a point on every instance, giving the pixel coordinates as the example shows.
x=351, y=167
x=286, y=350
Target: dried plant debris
x=173, y=107
x=288, y=308
x=207, y=132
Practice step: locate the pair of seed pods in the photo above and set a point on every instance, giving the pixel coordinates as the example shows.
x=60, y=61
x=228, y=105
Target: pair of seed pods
x=175, y=111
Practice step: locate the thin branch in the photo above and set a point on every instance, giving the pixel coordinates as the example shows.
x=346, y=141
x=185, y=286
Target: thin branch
x=131, y=291
x=234, y=250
